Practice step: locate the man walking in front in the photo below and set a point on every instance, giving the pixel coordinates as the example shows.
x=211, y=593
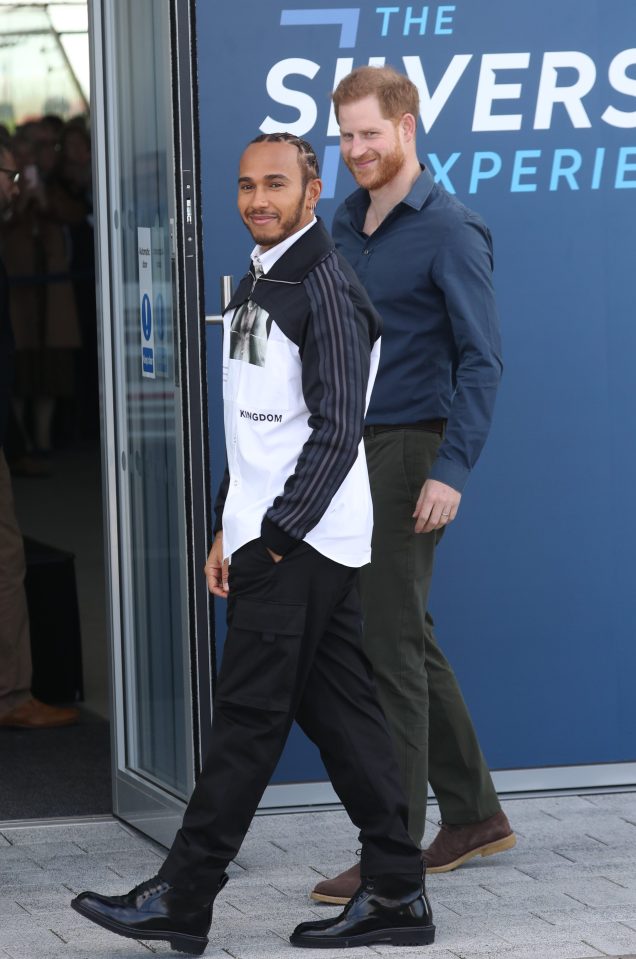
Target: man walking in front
x=294, y=515
x=426, y=262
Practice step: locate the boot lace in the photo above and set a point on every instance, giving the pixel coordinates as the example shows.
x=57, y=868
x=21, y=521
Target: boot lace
x=148, y=888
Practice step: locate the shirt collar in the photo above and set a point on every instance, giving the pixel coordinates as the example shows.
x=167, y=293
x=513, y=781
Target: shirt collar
x=358, y=202
x=267, y=258
x=420, y=191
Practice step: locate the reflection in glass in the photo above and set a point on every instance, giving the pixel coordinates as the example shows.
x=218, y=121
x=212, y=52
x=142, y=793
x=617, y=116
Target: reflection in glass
x=44, y=64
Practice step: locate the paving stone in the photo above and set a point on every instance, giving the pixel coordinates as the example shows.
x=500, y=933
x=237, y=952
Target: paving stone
x=11, y=854
x=49, y=901
x=608, y=937
x=530, y=928
x=561, y=806
x=561, y=950
x=430, y=952
x=47, y=852
x=587, y=850
x=18, y=872
x=18, y=835
x=120, y=840
x=541, y=905
x=9, y=908
x=620, y=913
x=97, y=950
x=492, y=869
x=465, y=892
x=518, y=857
x=12, y=938
x=622, y=873
x=605, y=831
x=108, y=884
x=617, y=801
x=591, y=891
x=528, y=810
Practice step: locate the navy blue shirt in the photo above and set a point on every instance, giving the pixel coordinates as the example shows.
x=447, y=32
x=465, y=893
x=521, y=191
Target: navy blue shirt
x=428, y=272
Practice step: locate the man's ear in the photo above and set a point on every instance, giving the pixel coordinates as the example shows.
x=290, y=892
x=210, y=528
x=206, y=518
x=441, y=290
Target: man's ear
x=314, y=189
x=408, y=126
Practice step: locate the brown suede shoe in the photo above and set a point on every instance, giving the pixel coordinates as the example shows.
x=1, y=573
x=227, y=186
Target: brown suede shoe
x=339, y=890
x=455, y=845
x=36, y=715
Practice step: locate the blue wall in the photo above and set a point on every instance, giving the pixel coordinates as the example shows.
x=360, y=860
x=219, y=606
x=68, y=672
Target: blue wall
x=534, y=593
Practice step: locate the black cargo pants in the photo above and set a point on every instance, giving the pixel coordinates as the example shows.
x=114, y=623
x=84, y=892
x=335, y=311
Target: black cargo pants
x=293, y=651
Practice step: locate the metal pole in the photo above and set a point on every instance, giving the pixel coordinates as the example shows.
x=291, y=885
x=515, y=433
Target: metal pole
x=227, y=289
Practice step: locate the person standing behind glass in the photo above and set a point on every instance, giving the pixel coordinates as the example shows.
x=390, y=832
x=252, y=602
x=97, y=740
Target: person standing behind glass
x=43, y=312
x=18, y=708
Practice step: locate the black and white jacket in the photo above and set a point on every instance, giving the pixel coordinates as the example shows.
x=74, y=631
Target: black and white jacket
x=300, y=354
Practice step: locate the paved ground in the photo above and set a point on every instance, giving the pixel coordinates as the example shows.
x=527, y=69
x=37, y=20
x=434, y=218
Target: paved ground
x=567, y=891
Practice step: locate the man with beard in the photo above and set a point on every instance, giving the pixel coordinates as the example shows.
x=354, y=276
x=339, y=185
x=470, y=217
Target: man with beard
x=426, y=262
x=18, y=707
x=294, y=515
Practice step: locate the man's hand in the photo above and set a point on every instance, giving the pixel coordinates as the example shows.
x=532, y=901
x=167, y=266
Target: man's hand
x=436, y=507
x=216, y=569
x=275, y=556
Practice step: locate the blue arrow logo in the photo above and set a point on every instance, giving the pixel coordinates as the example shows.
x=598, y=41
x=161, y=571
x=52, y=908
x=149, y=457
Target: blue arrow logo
x=345, y=17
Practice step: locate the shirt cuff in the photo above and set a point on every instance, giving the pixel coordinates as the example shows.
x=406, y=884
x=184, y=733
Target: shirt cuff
x=452, y=474
x=276, y=538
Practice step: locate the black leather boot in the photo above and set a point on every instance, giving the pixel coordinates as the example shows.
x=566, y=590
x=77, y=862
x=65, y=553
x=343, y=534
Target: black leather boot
x=388, y=910
x=153, y=910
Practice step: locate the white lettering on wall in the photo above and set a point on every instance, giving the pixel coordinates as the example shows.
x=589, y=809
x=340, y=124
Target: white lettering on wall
x=431, y=105
x=623, y=84
x=302, y=102
x=489, y=90
x=570, y=96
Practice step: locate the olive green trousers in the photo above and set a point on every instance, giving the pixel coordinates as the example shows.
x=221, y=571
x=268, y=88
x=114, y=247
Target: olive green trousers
x=433, y=733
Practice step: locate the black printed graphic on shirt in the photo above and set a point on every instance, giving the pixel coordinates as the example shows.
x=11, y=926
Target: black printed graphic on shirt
x=248, y=334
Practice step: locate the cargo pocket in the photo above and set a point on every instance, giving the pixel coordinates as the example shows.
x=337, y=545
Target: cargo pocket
x=260, y=657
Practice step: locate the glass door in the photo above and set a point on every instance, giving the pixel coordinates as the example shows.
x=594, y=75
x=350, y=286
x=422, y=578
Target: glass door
x=153, y=408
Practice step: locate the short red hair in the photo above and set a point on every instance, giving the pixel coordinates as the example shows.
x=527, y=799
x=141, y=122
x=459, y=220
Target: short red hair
x=396, y=94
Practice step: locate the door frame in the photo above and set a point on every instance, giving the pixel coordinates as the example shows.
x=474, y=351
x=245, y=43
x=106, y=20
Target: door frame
x=142, y=803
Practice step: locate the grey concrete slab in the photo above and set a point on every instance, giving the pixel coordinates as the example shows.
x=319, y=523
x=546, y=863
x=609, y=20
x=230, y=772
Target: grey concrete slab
x=610, y=938
x=593, y=891
x=485, y=872
x=624, y=876
x=621, y=801
x=588, y=849
x=431, y=952
x=73, y=832
x=122, y=839
x=47, y=852
x=102, y=950
x=561, y=950
x=9, y=908
x=622, y=872
x=514, y=908
x=620, y=913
